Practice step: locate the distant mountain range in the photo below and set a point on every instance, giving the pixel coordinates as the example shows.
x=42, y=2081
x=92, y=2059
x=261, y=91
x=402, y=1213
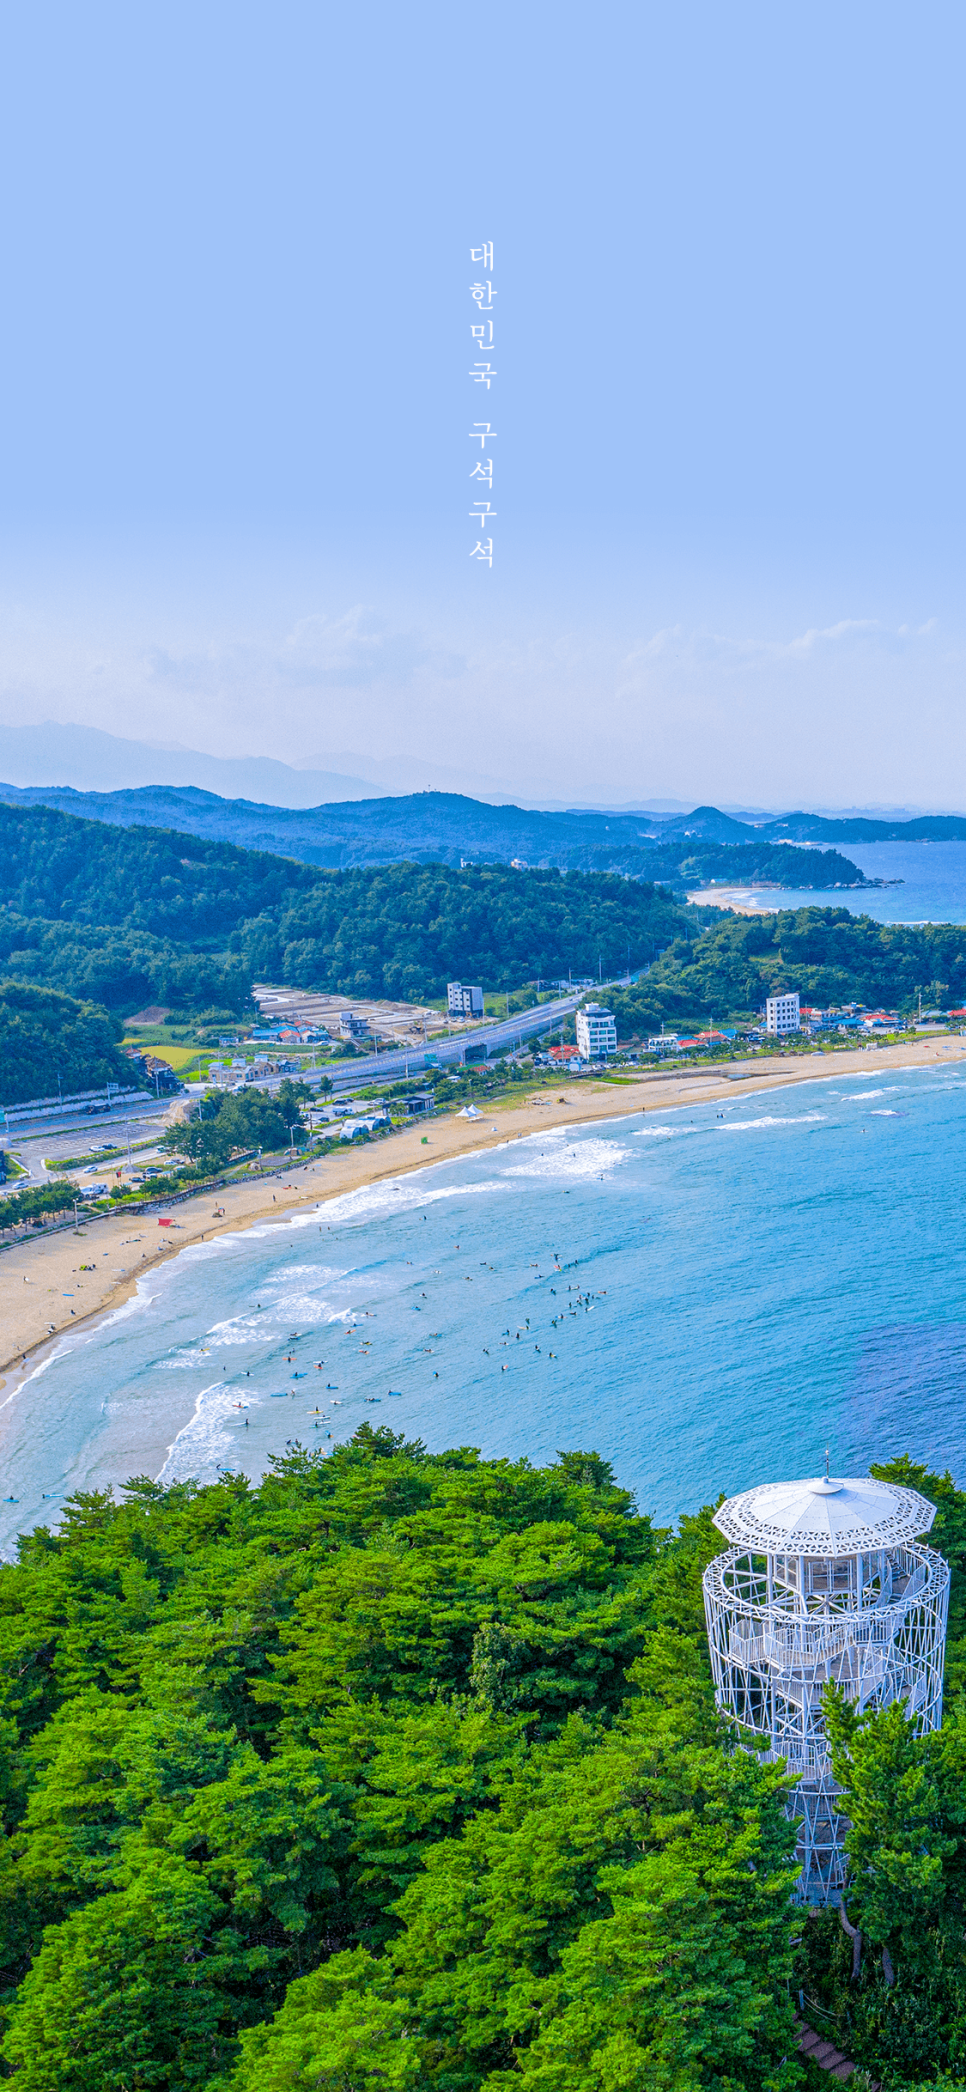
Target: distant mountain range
x=860, y=828
x=88, y=760
x=706, y=822
x=101, y=766
x=445, y=828
x=85, y=759
x=437, y=825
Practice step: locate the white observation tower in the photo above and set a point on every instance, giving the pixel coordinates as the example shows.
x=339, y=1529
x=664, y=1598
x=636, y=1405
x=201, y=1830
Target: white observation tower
x=824, y=1581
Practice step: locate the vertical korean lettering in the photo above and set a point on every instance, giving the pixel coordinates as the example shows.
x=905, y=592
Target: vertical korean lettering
x=482, y=372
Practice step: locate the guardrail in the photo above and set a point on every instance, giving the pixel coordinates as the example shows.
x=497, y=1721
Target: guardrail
x=80, y=1104
x=401, y=1062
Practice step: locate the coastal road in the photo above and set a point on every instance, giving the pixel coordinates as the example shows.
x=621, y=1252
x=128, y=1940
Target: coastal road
x=53, y=1139
x=408, y=1061
x=404, y=1061
x=509, y=1032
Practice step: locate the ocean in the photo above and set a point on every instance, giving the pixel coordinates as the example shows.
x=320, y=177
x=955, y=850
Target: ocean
x=707, y=1297
x=933, y=886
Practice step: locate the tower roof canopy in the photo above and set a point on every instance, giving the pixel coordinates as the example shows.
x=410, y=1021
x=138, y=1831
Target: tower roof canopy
x=824, y=1516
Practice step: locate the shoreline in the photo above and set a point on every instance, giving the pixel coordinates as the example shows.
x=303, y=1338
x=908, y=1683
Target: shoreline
x=738, y=899
x=45, y=1292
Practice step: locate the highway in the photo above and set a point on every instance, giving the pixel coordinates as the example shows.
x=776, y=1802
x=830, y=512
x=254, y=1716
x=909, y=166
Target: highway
x=409, y=1062
x=406, y=1061
x=55, y=1138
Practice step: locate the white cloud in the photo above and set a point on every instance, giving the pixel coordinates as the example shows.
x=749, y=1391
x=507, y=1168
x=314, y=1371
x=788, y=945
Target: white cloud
x=358, y=649
x=853, y=709
x=320, y=652
x=697, y=649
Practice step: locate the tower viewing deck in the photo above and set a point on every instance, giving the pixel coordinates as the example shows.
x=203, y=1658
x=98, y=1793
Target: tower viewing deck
x=825, y=1580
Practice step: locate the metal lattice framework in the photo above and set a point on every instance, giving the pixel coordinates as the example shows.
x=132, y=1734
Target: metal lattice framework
x=825, y=1582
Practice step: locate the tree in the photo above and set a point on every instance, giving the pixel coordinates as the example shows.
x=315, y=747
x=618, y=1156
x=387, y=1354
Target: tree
x=50, y=1041
x=340, y=2030
x=123, y=1996
x=57, y=1196
x=397, y=1769
x=228, y=1125
x=905, y=1799
x=622, y=1919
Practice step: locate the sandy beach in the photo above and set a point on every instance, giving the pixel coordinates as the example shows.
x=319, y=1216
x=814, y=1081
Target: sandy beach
x=741, y=900
x=45, y=1287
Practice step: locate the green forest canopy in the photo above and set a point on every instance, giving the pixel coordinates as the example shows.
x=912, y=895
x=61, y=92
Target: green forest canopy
x=402, y=1770
x=138, y=879
x=48, y=1039
x=449, y=828
x=139, y=916
x=231, y=1125
x=828, y=954
x=123, y=970
x=399, y=1769
x=405, y=930
x=128, y=917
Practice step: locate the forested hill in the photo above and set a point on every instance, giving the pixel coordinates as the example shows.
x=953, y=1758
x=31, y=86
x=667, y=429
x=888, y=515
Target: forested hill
x=146, y=879
x=131, y=916
x=862, y=828
x=400, y=1770
x=51, y=1042
x=707, y=823
x=827, y=954
x=445, y=828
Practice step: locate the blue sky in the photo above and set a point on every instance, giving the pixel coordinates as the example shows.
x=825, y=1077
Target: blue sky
x=234, y=456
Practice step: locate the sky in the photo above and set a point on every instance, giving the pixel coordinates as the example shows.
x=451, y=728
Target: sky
x=726, y=402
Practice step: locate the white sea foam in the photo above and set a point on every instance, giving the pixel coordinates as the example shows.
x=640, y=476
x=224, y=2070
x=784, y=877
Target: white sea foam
x=662, y=1132
x=804, y=1118
x=141, y=1299
x=374, y=1201
x=17, y=1386
x=296, y=1306
x=589, y=1159
x=181, y=1361
x=238, y=1329
x=318, y=1272
x=205, y=1445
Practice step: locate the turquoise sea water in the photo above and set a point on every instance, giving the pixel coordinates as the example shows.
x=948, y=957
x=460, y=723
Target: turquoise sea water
x=933, y=885
x=738, y=1285
x=933, y=880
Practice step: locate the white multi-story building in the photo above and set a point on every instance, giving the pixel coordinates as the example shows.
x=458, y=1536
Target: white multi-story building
x=596, y=1032
x=782, y=1013
x=463, y=1002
